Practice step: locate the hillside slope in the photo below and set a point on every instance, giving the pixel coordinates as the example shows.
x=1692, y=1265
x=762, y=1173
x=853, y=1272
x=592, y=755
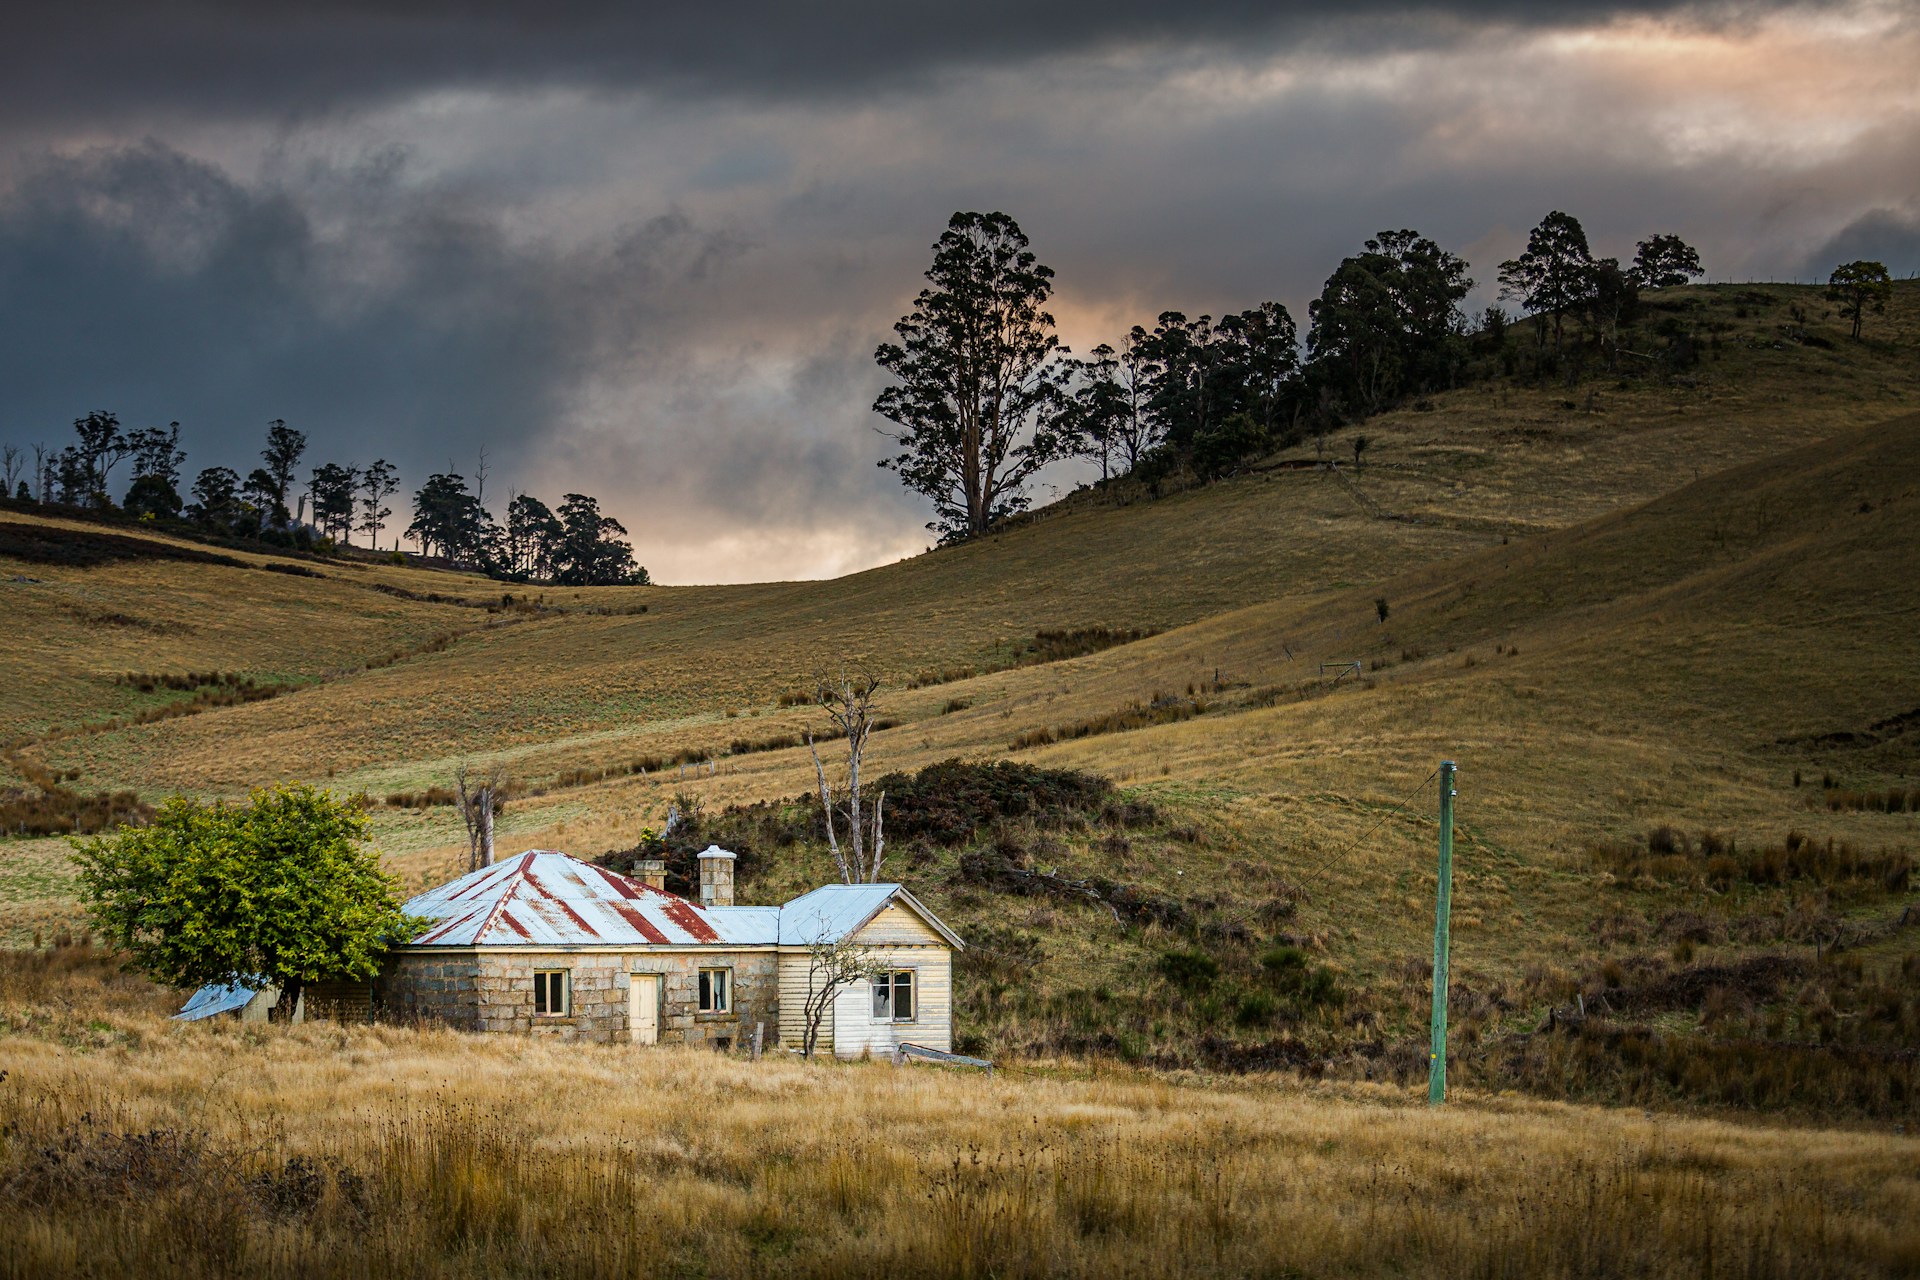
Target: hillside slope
x=1608, y=645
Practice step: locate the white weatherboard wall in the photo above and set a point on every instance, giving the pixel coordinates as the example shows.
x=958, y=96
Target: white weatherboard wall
x=898, y=939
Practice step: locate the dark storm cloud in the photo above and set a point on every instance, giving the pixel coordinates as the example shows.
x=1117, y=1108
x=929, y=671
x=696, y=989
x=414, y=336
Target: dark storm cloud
x=143, y=281
x=109, y=57
x=1887, y=236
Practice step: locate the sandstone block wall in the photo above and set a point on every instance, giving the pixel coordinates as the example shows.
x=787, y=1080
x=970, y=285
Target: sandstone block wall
x=493, y=991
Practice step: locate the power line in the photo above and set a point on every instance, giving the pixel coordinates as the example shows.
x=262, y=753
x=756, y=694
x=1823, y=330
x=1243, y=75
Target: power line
x=1326, y=864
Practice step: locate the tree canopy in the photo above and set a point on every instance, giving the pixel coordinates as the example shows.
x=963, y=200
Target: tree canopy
x=1555, y=274
x=978, y=392
x=1860, y=287
x=284, y=887
x=1662, y=261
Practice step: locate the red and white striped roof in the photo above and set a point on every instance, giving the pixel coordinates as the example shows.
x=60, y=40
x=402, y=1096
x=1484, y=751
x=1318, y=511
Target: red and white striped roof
x=546, y=898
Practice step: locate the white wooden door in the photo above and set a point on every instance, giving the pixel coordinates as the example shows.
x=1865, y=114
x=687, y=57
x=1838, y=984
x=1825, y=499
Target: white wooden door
x=643, y=1008
x=854, y=1028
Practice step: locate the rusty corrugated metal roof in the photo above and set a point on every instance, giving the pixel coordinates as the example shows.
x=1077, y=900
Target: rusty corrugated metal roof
x=546, y=898
x=543, y=898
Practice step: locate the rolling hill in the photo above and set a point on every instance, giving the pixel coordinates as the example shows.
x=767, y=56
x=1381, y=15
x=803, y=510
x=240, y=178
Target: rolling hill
x=1632, y=608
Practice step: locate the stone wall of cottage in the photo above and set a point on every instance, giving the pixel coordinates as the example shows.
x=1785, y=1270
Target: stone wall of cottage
x=493, y=991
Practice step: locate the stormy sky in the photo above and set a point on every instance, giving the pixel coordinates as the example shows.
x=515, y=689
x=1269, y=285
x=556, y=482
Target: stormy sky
x=646, y=251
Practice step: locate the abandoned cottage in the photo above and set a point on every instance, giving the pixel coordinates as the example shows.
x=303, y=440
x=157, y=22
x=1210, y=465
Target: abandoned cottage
x=545, y=944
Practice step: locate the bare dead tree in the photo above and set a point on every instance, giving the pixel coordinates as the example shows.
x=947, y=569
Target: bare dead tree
x=11, y=461
x=831, y=965
x=848, y=702
x=482, y=798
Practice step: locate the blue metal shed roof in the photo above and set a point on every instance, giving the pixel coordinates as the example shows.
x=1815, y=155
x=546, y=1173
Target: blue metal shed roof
x=220, y=997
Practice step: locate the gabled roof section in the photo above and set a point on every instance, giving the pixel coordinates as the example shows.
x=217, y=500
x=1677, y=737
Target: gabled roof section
x=542, y=898
x=837, y=911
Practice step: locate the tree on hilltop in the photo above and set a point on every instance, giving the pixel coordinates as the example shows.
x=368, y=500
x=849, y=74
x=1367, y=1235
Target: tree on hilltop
x=377, y=483
x=1860, y=287
x=332, y=487
x=1662, y=261
x=978, y=389
x=285, y=446
x=1555, y=274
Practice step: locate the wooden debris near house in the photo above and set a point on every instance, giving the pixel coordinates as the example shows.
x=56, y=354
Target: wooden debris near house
x=902, y=1053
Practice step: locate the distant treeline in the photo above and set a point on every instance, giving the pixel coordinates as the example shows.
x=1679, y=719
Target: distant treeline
x=574, y=546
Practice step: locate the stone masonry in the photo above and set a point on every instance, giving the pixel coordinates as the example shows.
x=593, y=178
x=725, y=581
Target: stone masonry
x=492, y=990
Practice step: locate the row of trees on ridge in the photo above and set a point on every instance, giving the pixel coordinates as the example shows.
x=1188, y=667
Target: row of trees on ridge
x=984, y=395
x=575, y=545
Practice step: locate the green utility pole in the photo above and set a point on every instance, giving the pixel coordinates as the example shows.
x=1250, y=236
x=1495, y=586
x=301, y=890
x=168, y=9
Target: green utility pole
x=1442, y=914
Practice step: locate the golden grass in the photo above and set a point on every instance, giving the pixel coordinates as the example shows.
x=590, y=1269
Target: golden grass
x=436, y=1154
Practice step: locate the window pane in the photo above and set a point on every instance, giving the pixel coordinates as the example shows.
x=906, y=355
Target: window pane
x=541, y=1004
x=903, y=995
x=720, y=990
x=706, y=990
x=882, y=997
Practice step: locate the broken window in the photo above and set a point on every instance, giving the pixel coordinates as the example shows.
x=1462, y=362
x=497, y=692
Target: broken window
x=893, y=995
x=550, y=993
x=716, y=994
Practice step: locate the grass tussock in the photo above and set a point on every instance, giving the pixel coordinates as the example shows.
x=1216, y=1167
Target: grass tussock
x=46, y=806
x=246, y=1150
x=1666, y=855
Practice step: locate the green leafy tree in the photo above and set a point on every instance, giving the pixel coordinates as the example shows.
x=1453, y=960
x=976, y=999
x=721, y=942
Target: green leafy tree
x=1860, y=287
x=284, y=887
x=1555, y=274
x=285, y=447
x=1662, y=261
x=978, y=389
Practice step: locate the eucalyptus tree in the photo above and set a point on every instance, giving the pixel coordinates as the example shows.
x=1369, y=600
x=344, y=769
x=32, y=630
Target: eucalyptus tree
x=978, y=387
x=1555, y=274
x=333, y=486
x=1860, y=287
x=1662, y=261
x=378, y=482
x=285, y=447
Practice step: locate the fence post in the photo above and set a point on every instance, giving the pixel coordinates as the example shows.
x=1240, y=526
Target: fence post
x=1442, y=914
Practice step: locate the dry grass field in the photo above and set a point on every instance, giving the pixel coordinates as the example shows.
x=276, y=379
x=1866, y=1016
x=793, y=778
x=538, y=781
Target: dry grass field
x=1669, y=629
x=136, y=1146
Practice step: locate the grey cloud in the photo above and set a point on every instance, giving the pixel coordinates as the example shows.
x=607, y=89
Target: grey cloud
x=100, y=60
x=1889, y=236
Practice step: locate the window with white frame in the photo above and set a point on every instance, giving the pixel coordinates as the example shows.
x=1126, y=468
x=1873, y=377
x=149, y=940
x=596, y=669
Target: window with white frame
x=716, y=990
x=893, y=995
x=552, y=993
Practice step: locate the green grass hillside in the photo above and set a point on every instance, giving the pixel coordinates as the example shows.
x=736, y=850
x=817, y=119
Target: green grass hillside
x=1651, y=618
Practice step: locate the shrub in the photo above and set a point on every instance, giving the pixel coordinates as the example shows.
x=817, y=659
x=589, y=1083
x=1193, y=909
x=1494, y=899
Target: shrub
x=1190, y=970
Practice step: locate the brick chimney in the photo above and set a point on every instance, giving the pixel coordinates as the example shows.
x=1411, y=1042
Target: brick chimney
x=716, y=877
x=651, y=872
